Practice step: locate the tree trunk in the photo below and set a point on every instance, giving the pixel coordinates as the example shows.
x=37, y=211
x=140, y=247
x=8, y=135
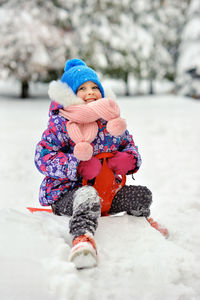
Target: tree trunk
x=138, y=85
x=24, y=89
x=127, y=93
x=151, y=89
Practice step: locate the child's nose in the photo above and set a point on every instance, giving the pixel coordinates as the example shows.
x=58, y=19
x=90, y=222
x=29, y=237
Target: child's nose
x=90, y=91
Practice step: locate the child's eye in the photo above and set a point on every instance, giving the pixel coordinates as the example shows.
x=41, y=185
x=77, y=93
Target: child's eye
x=81, y=88
x=95, y=87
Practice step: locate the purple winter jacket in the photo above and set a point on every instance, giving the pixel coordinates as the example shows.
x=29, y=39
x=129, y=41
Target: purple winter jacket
x=54, y=153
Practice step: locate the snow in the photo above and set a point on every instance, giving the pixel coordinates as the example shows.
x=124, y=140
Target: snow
x=135, y=261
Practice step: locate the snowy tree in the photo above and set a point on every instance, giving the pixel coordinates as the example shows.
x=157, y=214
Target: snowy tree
x=126, y=36
x=158, y=64
x=164, y=21
x=188, y=69
x=174, y=19
x=110, y=39
x=117, y=38
x=35, y=37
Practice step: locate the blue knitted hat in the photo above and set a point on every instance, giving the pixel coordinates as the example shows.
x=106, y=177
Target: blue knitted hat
x=77, y=72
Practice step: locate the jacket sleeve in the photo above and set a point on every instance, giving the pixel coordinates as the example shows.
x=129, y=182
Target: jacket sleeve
x=127, y=145
x=50, y=159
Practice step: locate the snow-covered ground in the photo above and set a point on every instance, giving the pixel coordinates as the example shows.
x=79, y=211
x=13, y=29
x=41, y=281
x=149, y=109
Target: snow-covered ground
x=135, y=261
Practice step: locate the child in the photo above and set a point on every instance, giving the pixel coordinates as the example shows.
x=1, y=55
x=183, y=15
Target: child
x=83, y=123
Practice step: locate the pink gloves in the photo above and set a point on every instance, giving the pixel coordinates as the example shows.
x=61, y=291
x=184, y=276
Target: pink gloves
x=121, y=163
x=89, y=169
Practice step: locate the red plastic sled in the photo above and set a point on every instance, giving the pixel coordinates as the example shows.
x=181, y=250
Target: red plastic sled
x=106, y=183
x=34, y=209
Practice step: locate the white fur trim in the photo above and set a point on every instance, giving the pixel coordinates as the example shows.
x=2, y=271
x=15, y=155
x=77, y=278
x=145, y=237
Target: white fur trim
x=63, y=94
x=109, y=93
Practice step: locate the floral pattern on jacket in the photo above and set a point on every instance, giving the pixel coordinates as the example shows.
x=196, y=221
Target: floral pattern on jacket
x=54, y=155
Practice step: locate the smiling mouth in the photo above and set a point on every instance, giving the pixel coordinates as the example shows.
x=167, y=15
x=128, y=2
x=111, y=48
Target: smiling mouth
x=90, y=99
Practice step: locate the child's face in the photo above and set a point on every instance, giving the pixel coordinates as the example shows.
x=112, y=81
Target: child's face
x=89, y=91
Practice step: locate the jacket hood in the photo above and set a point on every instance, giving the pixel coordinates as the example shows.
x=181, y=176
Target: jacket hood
x=62, y=95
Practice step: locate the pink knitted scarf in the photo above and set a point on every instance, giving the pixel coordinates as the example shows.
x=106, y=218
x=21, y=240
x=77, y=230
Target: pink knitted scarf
x=82, y=126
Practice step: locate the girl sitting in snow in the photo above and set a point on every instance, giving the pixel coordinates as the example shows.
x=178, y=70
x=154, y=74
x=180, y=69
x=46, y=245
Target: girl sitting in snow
x=83, y=123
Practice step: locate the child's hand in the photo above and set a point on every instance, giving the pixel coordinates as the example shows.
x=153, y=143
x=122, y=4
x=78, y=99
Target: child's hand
x=121, y=163
x=90, y=169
